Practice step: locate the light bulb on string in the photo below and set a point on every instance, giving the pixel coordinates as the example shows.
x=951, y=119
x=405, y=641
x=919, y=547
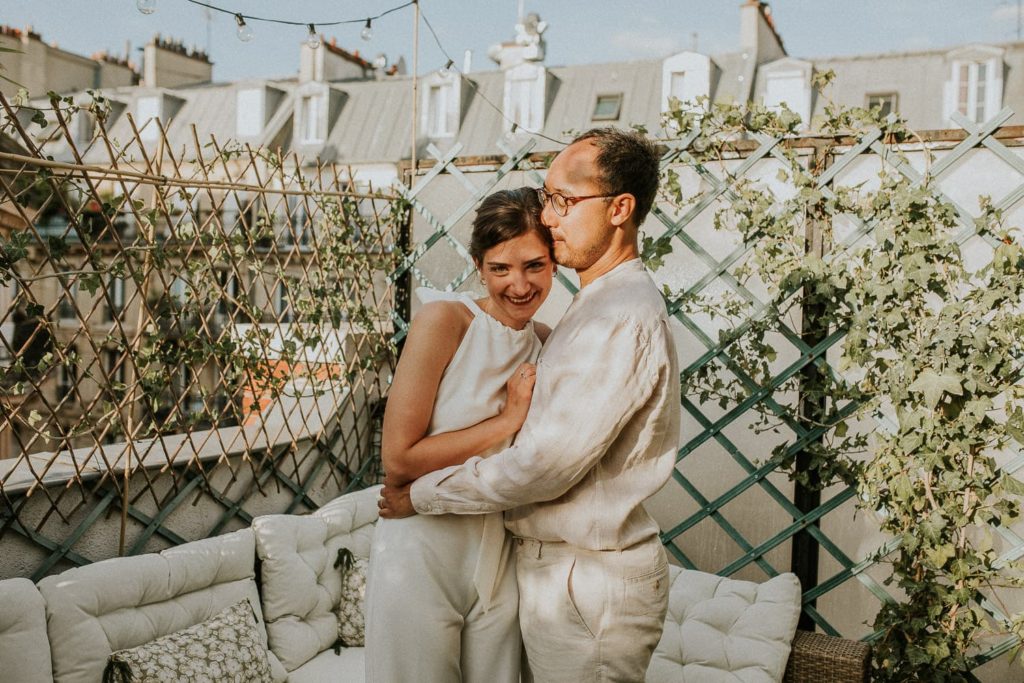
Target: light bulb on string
x=367, y=32
x=244, y=31
x=446, y=70
x=146, y=6
x=313, y=39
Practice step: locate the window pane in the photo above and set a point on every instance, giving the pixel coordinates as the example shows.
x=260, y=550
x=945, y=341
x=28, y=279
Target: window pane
x=437, y=111
x=963, y=89
x=979, y=93
x=607, y=107
x=886, y=103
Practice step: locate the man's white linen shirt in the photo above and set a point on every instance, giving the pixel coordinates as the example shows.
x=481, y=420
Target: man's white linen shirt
x=601, y=434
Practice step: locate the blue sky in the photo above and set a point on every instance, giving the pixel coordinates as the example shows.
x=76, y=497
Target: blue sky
x=580, y=31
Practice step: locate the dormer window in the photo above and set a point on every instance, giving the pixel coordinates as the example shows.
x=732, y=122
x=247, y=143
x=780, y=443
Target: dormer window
x=148, y=111
x=975, y=86
x=442, y=103
x=525, y=95
x=250, y=112
x=607, y=107
x=687, y=77
x=787, y=81
x=310, y=114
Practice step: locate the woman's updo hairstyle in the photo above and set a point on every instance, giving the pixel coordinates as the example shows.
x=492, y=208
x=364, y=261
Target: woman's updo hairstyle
x=505, y=215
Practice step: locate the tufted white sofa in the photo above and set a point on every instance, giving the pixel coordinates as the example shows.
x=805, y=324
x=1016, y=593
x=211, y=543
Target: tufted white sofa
x=63, y=629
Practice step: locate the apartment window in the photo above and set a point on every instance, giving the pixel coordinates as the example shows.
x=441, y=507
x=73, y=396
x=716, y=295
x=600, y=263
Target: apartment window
x=971, y=86
x=607, y=107
x=886, y=103
x=114, y=366
x=296, y=229
x=228, y=297
x=147, y=108
x=282, y=303
x=178, y=290
x=67, y=377
x=115, y=297
x=309, y=119
x=68, y=297
x=250, y=112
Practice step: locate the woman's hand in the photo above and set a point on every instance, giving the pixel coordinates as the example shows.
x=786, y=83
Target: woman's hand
x=520, y=393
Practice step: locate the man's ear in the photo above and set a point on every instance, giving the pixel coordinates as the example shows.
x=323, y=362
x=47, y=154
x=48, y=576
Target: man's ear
x=622, y=208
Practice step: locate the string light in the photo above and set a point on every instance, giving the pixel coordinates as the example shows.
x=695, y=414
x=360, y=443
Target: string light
x=244, y=31
x=244, y=19
x=313, y=39
x=146, y=6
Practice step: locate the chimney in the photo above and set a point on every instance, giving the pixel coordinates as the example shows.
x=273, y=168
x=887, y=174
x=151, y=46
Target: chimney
x=467, y=62
x=332, y=63
x=758, y=36
x=168, y=63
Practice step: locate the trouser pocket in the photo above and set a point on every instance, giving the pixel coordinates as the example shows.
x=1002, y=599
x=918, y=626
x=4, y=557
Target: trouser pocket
x=574, y=593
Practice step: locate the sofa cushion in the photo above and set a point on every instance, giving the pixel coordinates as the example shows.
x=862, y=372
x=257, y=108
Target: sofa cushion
x=301, y=586
x=124, y=602
x=347, y=666
x=721, y=629
x=24, y=647
x=225, y=647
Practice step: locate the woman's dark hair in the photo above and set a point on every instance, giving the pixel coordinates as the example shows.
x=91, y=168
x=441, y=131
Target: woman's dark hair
x=505, y=215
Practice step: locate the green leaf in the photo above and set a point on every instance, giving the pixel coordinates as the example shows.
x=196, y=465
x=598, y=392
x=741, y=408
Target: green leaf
x=933, y=385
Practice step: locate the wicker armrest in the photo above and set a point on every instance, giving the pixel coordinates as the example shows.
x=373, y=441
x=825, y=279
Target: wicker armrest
x=817, y=658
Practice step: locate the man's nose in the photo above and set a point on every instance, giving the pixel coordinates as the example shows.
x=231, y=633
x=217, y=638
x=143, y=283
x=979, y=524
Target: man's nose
x=548, y=217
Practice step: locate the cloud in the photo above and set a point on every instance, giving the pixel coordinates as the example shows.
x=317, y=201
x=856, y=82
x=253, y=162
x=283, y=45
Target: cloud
x=1005, y=13
x=647, y=43
x=918, y=42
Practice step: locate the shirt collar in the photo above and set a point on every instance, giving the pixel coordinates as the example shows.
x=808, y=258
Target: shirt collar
x=625, y=268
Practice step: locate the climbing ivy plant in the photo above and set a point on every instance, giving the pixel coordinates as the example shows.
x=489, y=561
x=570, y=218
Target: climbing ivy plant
x=932, y=352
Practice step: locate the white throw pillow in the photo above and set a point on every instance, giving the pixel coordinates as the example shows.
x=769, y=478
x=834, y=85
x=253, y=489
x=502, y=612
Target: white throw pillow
x=226, y=648
x=722, y=630
x=301, y=587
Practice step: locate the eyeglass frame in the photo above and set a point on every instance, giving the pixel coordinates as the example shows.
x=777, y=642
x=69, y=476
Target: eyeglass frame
x=570, y=201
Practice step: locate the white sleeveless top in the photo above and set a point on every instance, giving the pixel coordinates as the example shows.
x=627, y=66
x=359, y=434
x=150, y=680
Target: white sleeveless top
x=472, y=390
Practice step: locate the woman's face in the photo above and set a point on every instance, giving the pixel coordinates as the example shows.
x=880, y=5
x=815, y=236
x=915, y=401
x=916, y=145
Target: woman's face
x=517, y=274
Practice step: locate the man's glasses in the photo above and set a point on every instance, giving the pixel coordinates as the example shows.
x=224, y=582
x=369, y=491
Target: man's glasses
x=561, y=203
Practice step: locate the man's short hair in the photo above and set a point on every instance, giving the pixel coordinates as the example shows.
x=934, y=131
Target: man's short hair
x=628, y=162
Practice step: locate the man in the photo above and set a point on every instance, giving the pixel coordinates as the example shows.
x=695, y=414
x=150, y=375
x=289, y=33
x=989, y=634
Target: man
x=600, y=437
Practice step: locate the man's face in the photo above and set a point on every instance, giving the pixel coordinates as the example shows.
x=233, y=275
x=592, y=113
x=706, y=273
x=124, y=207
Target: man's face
x=584, y=234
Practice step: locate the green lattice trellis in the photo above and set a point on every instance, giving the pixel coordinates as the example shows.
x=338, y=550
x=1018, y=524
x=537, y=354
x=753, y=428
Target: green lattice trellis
x=804, y=523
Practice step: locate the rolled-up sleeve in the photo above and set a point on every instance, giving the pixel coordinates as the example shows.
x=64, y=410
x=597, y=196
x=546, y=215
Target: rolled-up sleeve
x=599, y=376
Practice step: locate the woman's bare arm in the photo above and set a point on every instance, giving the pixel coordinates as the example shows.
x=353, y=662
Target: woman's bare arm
x=407, y=452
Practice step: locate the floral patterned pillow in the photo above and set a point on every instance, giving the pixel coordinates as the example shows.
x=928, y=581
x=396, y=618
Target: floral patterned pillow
x=351, y=607
x=225, y=647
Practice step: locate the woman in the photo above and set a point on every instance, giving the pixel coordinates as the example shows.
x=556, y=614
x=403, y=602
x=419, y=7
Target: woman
x=442, y=602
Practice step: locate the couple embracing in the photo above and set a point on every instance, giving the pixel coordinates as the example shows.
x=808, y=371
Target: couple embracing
x=527, y=452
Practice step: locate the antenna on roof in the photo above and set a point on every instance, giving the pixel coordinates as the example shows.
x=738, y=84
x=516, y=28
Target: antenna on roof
x=522, y=11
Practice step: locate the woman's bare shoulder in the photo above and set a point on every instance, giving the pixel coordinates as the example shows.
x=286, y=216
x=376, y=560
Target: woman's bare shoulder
x=442, y=318
x=542, y=331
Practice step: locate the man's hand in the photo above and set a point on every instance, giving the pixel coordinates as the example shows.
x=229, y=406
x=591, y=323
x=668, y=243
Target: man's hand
x=395, y=501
